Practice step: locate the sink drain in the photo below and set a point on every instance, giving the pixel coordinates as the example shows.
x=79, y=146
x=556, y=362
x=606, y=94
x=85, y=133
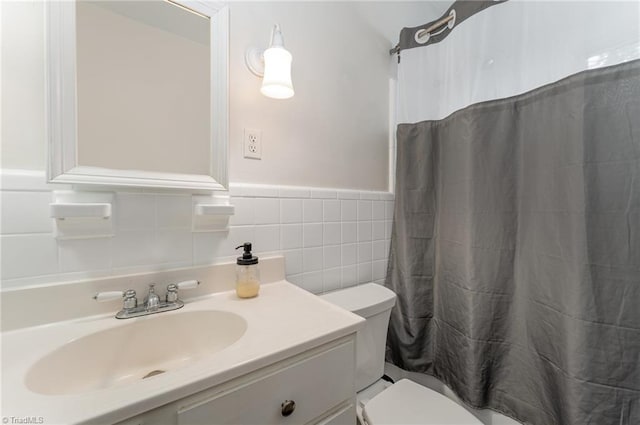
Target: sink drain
x=153, y=373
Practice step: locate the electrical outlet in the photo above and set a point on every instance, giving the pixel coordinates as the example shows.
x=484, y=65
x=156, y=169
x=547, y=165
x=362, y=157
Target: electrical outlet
x=252, y=143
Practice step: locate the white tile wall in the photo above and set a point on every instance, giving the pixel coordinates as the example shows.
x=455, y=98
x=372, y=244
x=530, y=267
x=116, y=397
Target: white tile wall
x=331, y=210
x=312, y=259
x=364, y=230
x=332, y=279
x=267, y=238
x=312, y=211
x=332, y=256
x=313, y=282
x=377, y=230
x=26, y=212
x=329, y=238
x=207, y=247
x=290, y=210
x=349, y=254
x=377, y=211
x=244, y=212
x=173, y=211
x=267, y=210
x=293, y=262
x=28, y=255
x=364, y=210
x=364, y=252
x=76, y=255
x=133, y=248
x=290, y=236
x=349, y=276
x=349, y=210
x=332, y=234
x=312, y=234
x=349, y=231
x=132, y=211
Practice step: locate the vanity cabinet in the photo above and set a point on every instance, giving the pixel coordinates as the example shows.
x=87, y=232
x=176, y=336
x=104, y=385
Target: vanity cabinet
x=314, y=387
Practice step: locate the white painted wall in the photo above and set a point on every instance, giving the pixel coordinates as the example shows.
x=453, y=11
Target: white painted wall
x=22, y=89
x=333, y=133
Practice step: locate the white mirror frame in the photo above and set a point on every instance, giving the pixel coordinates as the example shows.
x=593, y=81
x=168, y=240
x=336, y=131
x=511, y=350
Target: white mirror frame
x=61, y=104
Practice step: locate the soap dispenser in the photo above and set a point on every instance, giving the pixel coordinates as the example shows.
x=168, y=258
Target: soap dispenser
x=247, y=273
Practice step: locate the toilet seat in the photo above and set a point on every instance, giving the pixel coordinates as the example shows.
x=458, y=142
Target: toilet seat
x=406, y=402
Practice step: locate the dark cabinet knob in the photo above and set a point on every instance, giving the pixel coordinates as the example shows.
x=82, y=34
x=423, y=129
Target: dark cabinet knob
x=288, y=407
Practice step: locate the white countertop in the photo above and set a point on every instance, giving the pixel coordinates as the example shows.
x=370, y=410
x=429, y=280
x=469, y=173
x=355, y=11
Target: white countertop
x=282, y=321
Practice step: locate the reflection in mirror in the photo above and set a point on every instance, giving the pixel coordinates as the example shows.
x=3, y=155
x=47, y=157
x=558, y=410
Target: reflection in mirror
x=137, y=93
x=143, y=87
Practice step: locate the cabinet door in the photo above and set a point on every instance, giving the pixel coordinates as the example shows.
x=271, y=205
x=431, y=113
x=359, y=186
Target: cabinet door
x=316, y=385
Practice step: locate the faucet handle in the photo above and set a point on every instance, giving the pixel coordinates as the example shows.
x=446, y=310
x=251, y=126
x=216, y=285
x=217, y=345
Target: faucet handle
x=108, y=296
x=188, y=284
x=130, y=300
x=172, y=289
x=129, y=296
x=172, y=293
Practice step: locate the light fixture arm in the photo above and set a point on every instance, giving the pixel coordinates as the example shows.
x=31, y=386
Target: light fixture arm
x=277, y=40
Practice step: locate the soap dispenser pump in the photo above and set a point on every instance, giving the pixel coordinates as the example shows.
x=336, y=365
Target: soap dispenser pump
x=247, y=273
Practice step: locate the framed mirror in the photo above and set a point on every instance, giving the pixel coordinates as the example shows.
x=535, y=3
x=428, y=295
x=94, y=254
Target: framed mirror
x=138, y=93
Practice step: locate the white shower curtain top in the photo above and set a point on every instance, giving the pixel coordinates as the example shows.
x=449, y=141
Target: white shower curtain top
x=513, y=48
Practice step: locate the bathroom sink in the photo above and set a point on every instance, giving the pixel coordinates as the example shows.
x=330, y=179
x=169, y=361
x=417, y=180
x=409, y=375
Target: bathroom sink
x=131, y=352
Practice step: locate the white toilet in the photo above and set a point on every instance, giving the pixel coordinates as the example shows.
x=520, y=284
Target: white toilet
x=379, y=401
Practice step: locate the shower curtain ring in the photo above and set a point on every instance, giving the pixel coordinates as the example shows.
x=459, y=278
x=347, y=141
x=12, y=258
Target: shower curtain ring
x=449, y=20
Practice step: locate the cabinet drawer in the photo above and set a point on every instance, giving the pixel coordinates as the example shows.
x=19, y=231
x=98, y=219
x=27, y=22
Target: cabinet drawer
x=316, y=384
x=344, y=416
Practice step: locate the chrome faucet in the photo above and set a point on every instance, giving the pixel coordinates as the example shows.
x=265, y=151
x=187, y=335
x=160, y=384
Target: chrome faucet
x=152, y=302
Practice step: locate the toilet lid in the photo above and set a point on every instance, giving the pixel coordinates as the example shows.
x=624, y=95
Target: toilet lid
x=364, y=300
x=406, y=402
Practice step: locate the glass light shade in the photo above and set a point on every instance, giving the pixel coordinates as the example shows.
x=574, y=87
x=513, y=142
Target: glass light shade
x=276, y=82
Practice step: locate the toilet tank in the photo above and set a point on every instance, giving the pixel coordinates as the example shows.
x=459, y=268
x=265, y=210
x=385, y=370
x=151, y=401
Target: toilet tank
x=374, y=303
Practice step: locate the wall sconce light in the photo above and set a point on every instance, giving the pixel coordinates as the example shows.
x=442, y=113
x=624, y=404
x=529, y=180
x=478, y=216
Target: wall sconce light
x=273, y=65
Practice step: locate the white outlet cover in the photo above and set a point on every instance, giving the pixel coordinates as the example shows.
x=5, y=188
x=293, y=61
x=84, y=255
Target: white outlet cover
x=252, y=143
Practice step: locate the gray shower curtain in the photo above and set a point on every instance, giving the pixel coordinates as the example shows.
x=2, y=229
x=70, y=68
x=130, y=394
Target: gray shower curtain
x=515, y=251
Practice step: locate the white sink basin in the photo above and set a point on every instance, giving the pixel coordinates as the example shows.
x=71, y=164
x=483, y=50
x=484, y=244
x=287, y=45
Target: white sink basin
x=146, y=347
